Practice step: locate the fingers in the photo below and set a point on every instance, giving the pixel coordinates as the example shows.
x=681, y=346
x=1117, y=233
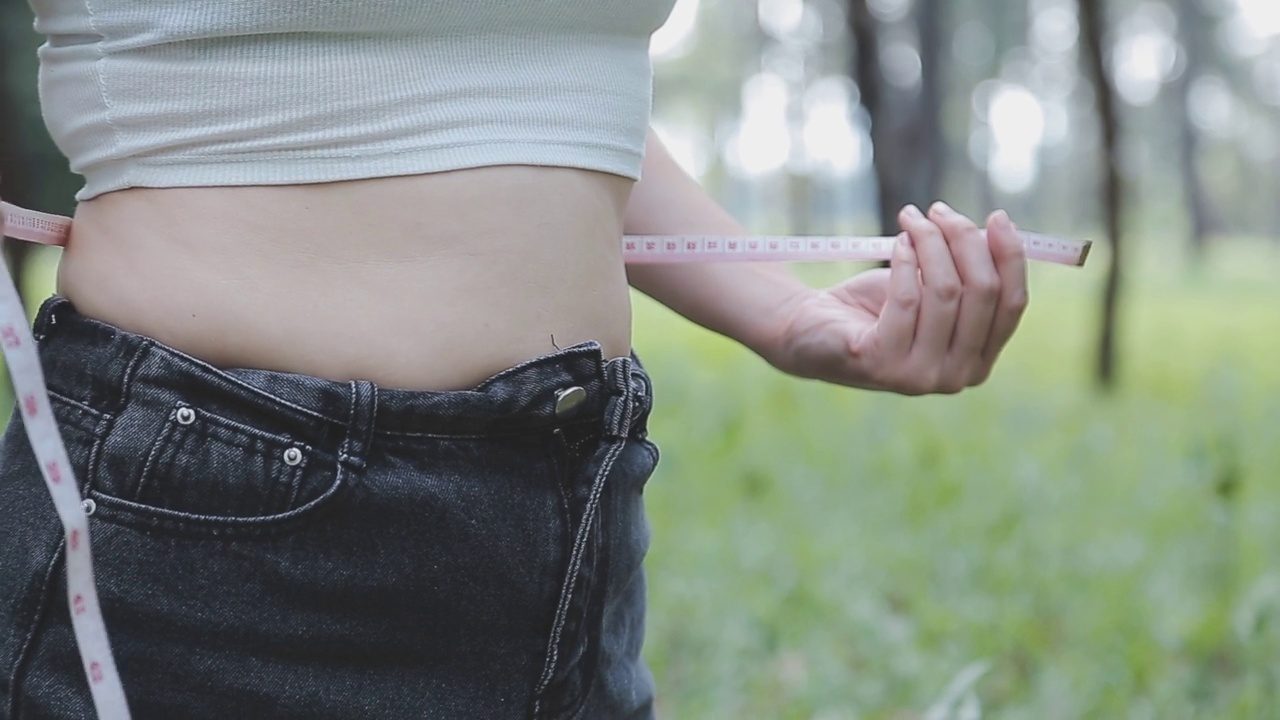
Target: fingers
x=940, y=299
x=968, y=300
x=1010, y=260
x=897, y=324
x=979, y=297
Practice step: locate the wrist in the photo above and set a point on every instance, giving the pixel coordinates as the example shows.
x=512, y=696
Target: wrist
x=767, y=330
x=752, y=304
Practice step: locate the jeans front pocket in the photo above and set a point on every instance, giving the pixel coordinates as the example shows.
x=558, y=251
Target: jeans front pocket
x=191, y=468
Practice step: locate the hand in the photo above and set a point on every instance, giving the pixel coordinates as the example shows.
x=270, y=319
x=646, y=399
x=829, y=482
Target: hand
x=934, y=322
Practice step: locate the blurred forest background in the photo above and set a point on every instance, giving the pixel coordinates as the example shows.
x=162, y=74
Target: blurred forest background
x=1090, y=535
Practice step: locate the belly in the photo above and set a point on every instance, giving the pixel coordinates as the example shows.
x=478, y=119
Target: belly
x=430, y=282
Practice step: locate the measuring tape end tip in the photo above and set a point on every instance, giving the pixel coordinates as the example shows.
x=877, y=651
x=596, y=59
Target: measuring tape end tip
x=1084, y=253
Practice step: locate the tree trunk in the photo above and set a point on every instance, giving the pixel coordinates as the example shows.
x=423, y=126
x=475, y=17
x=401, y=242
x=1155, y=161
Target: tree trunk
x=932, y=144
x=870, y=81
x=1093, y=32
x=11, y=156
x=906, y=123
x=1191, y=26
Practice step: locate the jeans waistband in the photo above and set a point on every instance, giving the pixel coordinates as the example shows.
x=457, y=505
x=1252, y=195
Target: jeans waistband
x=104, y=368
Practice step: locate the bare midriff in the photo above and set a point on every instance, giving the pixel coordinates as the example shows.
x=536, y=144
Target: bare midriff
x=429, y=282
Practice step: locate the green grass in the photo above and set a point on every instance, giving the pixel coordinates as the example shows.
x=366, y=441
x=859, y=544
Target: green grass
x=823, y=553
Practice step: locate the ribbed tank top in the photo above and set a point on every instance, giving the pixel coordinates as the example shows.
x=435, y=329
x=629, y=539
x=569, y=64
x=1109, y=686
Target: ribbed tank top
x=265, y=92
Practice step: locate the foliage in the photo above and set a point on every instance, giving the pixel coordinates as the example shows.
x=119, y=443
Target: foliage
x=821, y=553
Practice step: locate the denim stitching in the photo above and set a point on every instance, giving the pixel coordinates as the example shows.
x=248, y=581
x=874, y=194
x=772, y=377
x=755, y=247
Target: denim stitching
x=618, y=419
x=147, y=467
x=345, y=454
x=207, y=422
x=126, y=382
x=558, y=455
x=586, y=351
x=344, y=450
x=373, y=421
x=575, y=561
x=182, y=522
x=28, y=643
x=100, y=433
x=622, y=409
x=589, y=350
x=223, y=377
x=290, y=477
x=216, y=525
x=520, y=432
x=293, y=482
x=108, y=419
x=147, y=345
x=76, y=405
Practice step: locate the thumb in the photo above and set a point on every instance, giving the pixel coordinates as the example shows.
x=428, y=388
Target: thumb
x=868, y=290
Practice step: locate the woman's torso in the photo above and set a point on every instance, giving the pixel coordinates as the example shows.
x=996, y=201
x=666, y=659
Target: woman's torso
x=432, y=281
x=352, y=190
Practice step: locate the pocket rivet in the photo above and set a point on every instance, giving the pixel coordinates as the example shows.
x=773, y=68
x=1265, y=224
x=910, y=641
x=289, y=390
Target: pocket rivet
x=186, y=416
x=292, y=456
x=568, y=400
x=89, y=506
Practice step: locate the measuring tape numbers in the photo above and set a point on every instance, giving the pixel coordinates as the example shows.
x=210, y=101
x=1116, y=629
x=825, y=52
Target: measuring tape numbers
x=23, y=360
x=659, y=249
x=655, y=249
x=42, y=430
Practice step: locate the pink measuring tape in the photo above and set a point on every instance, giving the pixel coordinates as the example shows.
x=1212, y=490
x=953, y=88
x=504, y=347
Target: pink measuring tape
x=28, y=380
x=655, y=249
x=652, y=249
x=46, y=442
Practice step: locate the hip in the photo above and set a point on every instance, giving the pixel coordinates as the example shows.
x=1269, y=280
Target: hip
x=335, y=549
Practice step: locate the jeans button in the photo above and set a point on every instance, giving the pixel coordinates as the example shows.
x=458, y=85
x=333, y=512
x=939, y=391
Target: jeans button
x=569, y=400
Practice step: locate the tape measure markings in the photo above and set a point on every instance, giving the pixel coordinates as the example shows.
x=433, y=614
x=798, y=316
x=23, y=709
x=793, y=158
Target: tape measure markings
x=658, y=249
x=23, y=360
x=654, y=249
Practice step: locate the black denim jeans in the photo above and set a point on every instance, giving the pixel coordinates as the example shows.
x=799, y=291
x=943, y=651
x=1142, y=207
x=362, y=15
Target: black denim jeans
x=270, y=545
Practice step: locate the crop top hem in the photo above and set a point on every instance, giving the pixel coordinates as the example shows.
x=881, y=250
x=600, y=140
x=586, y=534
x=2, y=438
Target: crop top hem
x=302, y=169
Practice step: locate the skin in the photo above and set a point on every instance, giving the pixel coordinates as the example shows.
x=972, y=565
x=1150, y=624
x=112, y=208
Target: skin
x=934, y=322
x=438, y=281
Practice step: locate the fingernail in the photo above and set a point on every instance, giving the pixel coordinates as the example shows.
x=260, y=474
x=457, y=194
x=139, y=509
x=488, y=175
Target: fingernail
x=1002, y=219
x=913, y=212
x=942, y=208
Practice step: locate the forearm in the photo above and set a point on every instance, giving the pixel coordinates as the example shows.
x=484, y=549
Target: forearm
x=934, y=321
x=744, y=301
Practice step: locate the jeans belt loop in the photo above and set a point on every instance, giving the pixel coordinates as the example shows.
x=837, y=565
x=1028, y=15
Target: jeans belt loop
x=361, y=414
x=620, y=409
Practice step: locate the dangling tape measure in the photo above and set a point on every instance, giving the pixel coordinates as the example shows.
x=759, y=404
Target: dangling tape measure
x=51, y=454
x=28, y=381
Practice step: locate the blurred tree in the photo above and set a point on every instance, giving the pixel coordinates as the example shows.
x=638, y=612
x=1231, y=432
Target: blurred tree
x=10, y=139
x=1093, y=32
x=1195, y=37
x=33, y=173
x=905, y=103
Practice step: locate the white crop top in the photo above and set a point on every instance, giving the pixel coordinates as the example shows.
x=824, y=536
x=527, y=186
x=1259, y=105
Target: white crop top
x=263, y=92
